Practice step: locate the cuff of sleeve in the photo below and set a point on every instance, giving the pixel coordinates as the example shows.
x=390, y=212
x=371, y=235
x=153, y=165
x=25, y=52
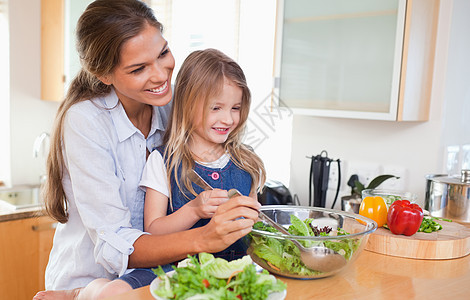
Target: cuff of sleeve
x=116, y=248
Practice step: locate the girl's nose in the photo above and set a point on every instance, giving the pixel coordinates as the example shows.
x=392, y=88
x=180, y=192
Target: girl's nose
x=227, y=118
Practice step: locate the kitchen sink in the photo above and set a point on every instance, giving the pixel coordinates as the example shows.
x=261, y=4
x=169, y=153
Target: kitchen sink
x=19, y=197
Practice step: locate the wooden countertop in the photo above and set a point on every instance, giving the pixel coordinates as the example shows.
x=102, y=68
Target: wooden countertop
x=377, y=276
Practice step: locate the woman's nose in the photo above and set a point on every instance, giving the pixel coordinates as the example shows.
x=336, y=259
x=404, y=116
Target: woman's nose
x=159, y=73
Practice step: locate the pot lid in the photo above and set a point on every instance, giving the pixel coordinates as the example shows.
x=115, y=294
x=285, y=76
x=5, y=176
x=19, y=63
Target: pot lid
x=464, y=178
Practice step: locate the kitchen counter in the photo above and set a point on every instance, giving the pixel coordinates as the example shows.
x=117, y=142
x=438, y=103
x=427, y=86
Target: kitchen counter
x=377, y=276
x=23, y=213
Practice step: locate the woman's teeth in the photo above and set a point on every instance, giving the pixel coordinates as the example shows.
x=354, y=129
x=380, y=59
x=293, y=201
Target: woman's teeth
x=160, y=89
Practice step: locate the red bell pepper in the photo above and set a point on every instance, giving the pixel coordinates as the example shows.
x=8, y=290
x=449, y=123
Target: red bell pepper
x=404, y=217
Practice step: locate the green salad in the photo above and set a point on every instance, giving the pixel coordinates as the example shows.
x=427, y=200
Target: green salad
x=284, y=256
x=215, y=278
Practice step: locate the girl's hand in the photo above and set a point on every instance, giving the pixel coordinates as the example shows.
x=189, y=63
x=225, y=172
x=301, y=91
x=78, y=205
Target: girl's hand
x=207, y=202
x=231, y=221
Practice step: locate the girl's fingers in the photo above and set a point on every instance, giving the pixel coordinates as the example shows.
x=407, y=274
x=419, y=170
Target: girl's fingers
x=240, y=202
x=213, y=195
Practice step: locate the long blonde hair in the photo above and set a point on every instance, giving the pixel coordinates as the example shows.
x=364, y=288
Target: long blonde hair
x=101, y=31
x=201, y=78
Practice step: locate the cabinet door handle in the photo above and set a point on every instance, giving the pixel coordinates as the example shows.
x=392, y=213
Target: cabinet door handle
x=45, y=226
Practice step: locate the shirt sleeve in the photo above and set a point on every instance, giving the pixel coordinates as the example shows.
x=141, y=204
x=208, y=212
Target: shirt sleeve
x=154, y=174
x=94, y=187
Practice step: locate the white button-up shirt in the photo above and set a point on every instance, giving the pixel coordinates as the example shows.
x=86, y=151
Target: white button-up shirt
x=104, y=156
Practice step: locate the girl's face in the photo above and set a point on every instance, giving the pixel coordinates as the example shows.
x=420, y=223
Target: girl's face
x=222, y=118
x=145, y=69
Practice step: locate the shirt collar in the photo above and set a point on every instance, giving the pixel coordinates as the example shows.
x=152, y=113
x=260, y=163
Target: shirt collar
x=124, y=126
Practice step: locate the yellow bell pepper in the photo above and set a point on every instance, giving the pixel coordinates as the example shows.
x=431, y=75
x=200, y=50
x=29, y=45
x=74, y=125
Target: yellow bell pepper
x=374, y=208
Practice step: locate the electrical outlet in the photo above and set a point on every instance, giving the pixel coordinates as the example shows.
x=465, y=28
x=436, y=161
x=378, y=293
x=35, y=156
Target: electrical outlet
x=366, y=171
x=393, y=183
x=334, y=177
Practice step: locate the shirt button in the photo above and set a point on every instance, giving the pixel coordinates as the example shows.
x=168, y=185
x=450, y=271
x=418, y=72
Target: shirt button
x=214, y=175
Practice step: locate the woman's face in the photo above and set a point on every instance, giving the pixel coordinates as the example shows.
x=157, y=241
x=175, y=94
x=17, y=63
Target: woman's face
x=145, y=69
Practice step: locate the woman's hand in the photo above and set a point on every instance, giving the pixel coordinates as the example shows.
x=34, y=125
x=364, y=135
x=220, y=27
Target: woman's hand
x=207, y=202
x=231, y=221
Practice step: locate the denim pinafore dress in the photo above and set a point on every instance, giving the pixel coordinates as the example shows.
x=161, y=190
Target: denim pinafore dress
x=228, y=177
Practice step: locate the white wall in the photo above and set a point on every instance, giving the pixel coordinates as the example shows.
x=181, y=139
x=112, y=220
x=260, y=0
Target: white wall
x=4, y=98
x=30, y=116
x=417, y=147
x=269, y=130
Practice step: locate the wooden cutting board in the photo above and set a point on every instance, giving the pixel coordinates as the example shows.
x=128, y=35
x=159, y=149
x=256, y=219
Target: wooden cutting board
x=452, y=241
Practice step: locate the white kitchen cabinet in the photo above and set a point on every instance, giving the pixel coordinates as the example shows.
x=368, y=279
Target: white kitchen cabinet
x=361, y=59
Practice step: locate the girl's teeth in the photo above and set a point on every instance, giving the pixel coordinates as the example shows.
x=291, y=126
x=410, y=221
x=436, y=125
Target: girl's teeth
x=160, y=89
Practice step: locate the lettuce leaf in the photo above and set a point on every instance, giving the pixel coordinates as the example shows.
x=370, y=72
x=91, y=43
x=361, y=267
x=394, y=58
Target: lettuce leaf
x=220, y=268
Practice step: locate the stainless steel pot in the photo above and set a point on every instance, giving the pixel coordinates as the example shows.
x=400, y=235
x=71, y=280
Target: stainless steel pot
x=449, y=196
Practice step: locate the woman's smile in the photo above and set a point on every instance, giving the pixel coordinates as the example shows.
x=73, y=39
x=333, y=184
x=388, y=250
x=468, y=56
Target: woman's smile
x=160, y=90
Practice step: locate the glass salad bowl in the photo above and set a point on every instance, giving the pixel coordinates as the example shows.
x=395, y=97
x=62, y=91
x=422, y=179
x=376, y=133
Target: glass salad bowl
x=390, y=196
x=345, y=233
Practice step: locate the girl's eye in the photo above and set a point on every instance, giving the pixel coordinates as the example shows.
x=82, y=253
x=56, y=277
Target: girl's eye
x=215, y=107
x=236, y=108
x=138, y=70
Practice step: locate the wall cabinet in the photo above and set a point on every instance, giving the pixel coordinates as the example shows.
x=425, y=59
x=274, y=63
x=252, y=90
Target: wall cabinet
x=52, y=50
x=356, y=59
x=59, y=59
x=24, y=253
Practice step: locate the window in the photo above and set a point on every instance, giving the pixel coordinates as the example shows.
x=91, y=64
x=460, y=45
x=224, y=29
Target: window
x=188, y=26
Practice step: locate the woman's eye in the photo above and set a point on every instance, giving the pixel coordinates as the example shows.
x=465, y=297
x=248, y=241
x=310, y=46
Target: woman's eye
x=138, y=70
x=165, y=52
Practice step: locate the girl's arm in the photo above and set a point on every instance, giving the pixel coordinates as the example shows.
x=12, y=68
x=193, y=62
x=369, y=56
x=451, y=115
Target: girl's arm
x=232, y=220
x=156, y=221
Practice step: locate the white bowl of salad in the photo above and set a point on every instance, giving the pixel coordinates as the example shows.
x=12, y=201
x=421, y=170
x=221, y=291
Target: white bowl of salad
x=209, y=278
x=346, y=233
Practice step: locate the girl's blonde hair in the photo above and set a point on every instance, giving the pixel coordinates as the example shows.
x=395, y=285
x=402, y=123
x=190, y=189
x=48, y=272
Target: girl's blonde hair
x=101, y=31
x=201, y=78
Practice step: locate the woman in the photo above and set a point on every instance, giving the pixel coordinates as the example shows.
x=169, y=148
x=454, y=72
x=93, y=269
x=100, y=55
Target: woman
x=116, y=110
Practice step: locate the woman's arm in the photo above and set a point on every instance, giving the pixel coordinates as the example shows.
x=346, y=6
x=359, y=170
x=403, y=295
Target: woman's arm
x=156, y=220
x=232, y=220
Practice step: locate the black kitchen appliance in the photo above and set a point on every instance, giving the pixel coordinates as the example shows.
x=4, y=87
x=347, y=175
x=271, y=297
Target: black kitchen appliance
x=275, y=193
x=319, y=177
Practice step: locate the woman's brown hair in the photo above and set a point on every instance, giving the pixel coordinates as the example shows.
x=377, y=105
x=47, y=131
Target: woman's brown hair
x=102, y=30
x=202, y=77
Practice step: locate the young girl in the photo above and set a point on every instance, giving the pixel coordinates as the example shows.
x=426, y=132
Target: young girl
x=205, y=130
x=209, y=114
